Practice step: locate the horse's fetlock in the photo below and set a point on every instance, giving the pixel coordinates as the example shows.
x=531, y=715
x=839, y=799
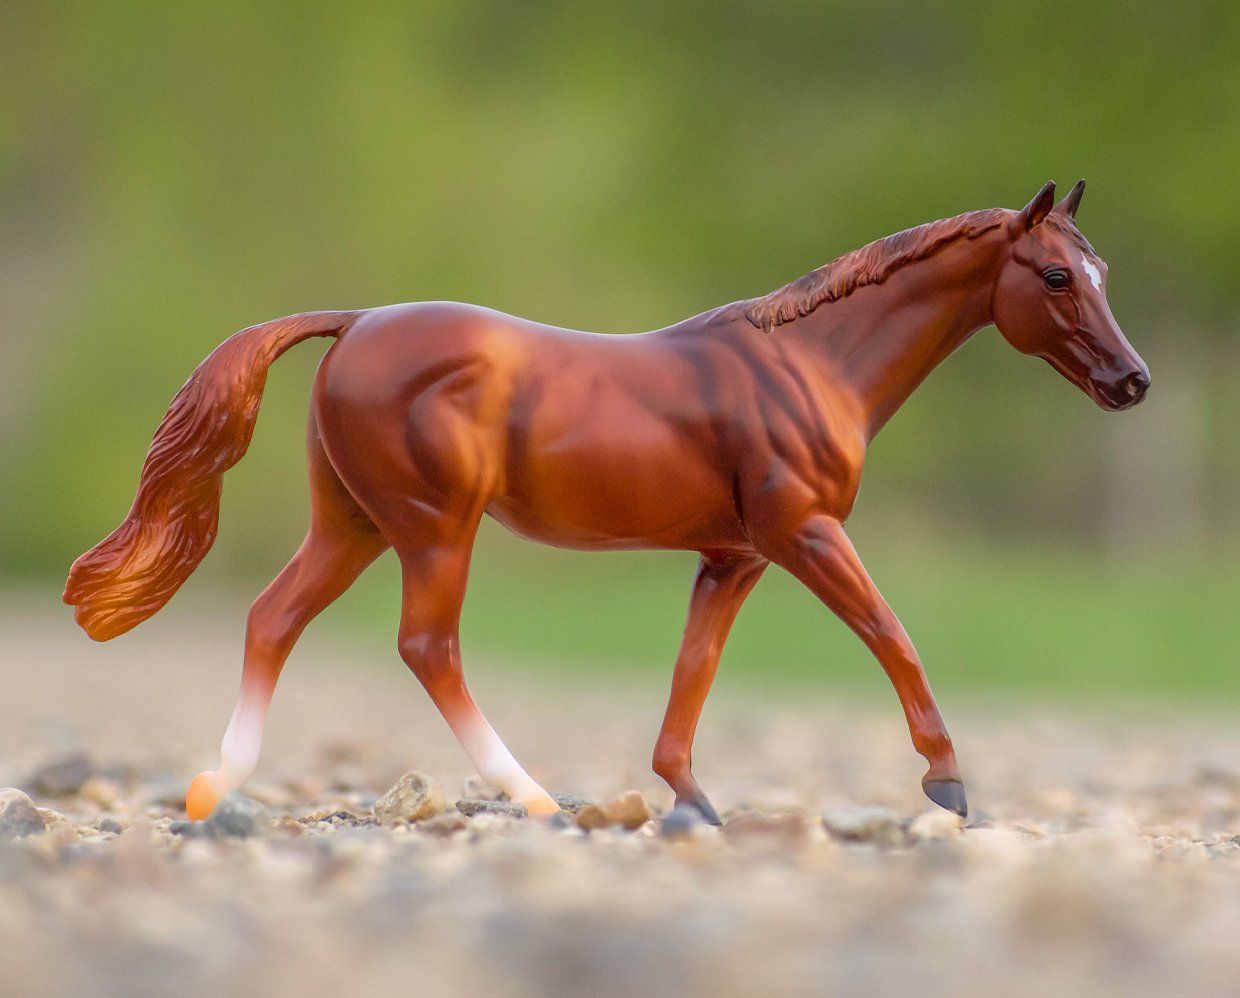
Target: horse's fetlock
x=670, y=762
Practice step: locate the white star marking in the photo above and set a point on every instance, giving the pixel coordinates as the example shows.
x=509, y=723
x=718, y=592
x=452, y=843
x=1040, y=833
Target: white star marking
x=1095, y=276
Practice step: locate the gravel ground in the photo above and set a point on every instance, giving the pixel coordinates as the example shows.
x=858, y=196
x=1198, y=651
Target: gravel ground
x=1101, y=857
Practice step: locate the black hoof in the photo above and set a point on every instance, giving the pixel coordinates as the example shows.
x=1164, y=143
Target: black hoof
x=703, y=807
x=948, y=794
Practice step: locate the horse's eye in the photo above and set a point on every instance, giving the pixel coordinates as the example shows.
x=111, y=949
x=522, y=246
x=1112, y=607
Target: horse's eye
x=1057, y=279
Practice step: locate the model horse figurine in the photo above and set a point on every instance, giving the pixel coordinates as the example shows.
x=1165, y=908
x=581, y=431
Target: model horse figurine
x=739, y=433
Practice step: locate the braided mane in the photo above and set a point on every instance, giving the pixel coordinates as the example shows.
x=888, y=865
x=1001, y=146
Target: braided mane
x=871, y=264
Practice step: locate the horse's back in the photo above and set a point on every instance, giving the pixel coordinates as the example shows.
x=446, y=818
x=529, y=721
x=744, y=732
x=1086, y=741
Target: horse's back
x=572, y=438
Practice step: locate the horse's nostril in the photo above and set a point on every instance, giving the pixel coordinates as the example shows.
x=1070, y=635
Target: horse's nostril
x=1136, y=384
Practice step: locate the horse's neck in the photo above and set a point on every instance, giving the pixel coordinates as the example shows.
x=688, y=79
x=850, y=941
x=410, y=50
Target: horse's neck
x=883, y=340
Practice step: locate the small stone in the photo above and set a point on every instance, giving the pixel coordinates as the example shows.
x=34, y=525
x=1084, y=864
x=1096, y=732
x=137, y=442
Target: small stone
x=101, y=791
x=592, y=816
x=681, y=823
x=936, y=824
x=629, y=809
x=507, y=808
x=448, y=823
x=190, y=829
x=476, y=788
x=414, y=798
x=109, y=825
x=18, y=815
x=996, y=843
x=864, y=824
x=236, y=816
x=778, y=830
x=53, y=819
x=62, y=776
x=571, y=803
x=334, y=815
x=322, y=814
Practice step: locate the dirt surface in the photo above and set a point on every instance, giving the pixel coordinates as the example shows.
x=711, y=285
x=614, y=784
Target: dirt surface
x=1099, y=858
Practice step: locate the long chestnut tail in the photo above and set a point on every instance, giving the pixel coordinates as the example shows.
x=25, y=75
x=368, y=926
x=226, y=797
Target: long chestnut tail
x=172, y=524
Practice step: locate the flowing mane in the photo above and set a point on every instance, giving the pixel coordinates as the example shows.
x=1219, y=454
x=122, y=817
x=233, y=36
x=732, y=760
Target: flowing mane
x=871, y=264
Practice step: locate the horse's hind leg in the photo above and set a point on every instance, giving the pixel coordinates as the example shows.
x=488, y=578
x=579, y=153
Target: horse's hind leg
x=340, y=543
x=425, y=470
x=435, y=567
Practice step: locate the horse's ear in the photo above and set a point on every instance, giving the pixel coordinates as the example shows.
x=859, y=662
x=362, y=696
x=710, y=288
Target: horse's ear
x=1034, y=211
x=1070, y=203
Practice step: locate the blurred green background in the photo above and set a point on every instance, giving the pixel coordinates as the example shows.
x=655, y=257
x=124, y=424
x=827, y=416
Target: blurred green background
x=170, y=173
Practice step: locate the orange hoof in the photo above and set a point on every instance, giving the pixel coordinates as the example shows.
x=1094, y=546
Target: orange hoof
x=201, y=798
x=542, y=807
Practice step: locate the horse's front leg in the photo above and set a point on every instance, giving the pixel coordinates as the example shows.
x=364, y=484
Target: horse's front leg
x=719, y=589
x=820, y=554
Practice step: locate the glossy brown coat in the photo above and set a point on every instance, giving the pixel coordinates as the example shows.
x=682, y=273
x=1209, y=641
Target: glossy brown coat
x=739, y=433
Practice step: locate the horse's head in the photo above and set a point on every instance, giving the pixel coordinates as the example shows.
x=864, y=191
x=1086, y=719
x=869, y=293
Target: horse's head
x=1050, y=301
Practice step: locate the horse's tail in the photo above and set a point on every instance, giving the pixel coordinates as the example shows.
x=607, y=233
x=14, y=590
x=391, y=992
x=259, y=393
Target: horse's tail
x=138, y=567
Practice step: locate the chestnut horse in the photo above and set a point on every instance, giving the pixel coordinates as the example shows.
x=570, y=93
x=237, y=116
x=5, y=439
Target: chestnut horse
x=739, y=434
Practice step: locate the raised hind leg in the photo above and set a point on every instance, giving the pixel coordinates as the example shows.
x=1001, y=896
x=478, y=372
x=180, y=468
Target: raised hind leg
x=434, y=576
x=719, y=589
x=341, y=542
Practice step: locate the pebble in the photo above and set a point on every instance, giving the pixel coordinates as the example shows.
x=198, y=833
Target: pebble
x=572, y=803
x=864, y=824
x=53, y=819
x=415, y=797
x=997, y=843
x=62, y=776
x=236, y=816
x=101, y=791
x=681, y=823
x=507, y=808
x=629, y=809
x=446, y=824
x=779, y=830
x=936, y=824
x=332, y=814
x=18, y=815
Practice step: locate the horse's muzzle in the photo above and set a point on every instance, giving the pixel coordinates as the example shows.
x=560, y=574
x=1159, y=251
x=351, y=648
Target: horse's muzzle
x=1124, y=393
